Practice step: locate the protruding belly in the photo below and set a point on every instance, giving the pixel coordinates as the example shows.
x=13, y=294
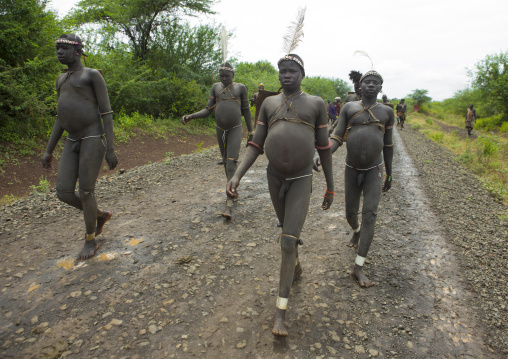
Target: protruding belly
x=228, y=114
x=364, y=146
x=78, y=116
x=290, y=148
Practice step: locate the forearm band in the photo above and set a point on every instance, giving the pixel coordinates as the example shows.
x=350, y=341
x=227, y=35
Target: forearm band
x=329, y=145
x=106, y=113
x=389, y=145
x=388, y=178
x=253, y=144
x=338, y=139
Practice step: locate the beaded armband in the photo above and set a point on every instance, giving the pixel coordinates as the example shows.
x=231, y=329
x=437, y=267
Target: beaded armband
x=253, y=144
x=329, y=145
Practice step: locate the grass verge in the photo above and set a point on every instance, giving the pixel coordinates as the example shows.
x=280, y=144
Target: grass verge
x=486, y=156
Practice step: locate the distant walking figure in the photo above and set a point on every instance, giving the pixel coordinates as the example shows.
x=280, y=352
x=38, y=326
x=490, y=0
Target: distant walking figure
x=470, y=119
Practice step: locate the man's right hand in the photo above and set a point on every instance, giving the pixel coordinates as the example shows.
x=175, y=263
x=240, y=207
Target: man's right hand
x=317, y=164
x=46, y=160
x=185, y=119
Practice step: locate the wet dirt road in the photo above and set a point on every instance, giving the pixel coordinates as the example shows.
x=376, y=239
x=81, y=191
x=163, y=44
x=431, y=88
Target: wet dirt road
x=174, y=280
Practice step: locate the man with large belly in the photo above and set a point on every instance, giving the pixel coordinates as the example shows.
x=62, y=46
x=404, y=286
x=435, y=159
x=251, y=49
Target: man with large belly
x=369, y=125
x=230, y=100
x=290, y=126
x=82, y=101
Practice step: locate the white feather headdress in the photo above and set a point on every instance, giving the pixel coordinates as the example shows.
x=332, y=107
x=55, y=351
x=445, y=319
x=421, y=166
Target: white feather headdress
x=293, y=37
x=371, y=72
x=224, y=37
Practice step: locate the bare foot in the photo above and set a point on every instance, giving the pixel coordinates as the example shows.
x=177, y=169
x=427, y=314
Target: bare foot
x=353, y=243
x=298, y=272
x=357, y=273
x=278, y=326
x=88, y=250
x=101, y=221
x=227, y=212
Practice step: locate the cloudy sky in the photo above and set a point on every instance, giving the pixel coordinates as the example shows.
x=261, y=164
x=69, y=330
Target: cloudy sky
x=414, y=44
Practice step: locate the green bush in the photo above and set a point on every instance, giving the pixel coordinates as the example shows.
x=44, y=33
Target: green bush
x=504, y=127
x=490, y=123
x=487, y=146
x=437, y=136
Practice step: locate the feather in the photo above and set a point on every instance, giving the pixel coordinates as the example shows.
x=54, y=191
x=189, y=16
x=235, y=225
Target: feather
x=355, y=76
x=363, y=53
x=294, y=33
x=224, y=44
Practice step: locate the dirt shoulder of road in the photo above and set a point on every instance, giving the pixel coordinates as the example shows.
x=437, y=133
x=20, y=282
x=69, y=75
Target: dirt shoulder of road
x=17, y=177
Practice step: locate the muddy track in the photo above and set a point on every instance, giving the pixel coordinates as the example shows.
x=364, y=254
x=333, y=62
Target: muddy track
x=173, y=279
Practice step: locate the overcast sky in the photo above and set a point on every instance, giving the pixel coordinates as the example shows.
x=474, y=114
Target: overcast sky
x=414, y=45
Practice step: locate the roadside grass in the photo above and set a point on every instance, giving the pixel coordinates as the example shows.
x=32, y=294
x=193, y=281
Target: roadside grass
x=7, y=199
x=126, y=126
x=15, y=146
x=43, y=186
x=486, y=156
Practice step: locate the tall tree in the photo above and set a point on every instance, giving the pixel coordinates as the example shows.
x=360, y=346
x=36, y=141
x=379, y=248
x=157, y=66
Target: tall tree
x=28, y=68
x=490, y=76
x=192, y=52
x=324, y=87
x=27, y=30
x=419, y=96
x=136, y=19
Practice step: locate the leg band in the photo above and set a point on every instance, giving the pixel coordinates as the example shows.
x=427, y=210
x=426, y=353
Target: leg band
x=89, y=237
x=229, y=202
x=100, y=213
x=360, y=260
x=282, y=303
x=357, y=230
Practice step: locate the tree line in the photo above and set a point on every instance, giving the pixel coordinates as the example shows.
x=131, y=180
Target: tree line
x=154, y=61
x=157, y=64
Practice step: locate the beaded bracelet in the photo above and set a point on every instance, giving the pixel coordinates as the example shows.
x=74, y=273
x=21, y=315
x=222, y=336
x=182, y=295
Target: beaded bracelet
x=388, y=178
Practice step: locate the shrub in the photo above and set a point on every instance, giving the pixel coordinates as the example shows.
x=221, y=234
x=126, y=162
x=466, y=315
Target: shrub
x=487, y=146
x=490, y=123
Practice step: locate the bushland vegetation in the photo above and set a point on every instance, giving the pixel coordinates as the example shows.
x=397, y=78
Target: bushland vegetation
x=486, y=154
x=157, y=66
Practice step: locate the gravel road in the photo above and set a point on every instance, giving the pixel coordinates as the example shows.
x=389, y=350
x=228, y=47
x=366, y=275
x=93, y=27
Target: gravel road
x=173, y=279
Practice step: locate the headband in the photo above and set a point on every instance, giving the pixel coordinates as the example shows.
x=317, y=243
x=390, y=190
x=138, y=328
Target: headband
x=65, y=41
x=372, y=73
x=226, y=69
